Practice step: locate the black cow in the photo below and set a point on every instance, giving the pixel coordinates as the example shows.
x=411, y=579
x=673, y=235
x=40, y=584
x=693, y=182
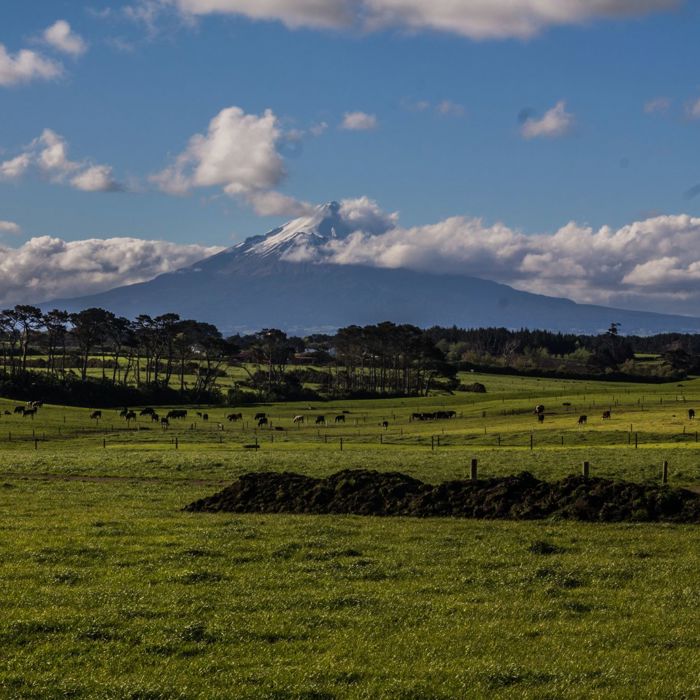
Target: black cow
x=29, y=412
x=582, y=420
x=164, y=422
x=385, y=424
x=96, y=415
x=19, y=409
x=234, y=417
x=540, y=417
x=607, y=415
x=154, y=417
x=130, y=415
x=147, y=411
x=340, y=419
x=262, y=421
x=258, y=416
x=691, y=414
x=320, y=419
x=177, y=413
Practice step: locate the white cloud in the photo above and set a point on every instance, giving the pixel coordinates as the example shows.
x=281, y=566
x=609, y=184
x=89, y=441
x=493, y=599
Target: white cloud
x=293, y=13
x=693, y=109
x=238, y=153
x=448, y=108
x=48, y=154
x=25, y=66
x=475, y=19
x=555, y=122
x=10, y=227
x=358, y=121
x=652, y=264
x=47, y=267
x=62, y=38
x=658, y=105
x=271, y=203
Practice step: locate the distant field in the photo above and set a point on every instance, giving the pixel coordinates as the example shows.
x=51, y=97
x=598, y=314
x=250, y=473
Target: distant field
x=110, y=590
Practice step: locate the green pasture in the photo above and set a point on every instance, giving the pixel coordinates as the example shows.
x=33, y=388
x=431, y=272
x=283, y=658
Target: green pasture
x=110, y=590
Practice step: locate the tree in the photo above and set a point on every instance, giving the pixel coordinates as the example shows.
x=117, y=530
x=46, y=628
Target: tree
x=89, y=328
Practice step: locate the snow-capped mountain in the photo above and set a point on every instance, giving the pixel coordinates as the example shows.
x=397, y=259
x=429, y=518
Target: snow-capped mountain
x=324, y=224
x=283, y=279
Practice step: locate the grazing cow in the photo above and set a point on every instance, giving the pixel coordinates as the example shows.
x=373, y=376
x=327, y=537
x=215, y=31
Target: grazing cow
x=164, y=422
x=320, y=419
x=691, y=414
x=258, y=416
x=233, y=417
x=385, y=424
x=298, y=419
x=147, y=411
x=582, y=420
x=36, y=404
x=96, y=415
x=177, y=413
x=154, y=417
x=340, y=419
x=607, y=415
x=540, y=417
x=19, y=409
x=205, y=416
x=29, y=412
x=539, y=409
x=262, y=421
x=123, y=412
x=130, y=415
x=199, y=413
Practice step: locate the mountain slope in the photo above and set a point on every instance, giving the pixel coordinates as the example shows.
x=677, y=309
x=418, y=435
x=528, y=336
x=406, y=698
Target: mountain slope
x=259, y=284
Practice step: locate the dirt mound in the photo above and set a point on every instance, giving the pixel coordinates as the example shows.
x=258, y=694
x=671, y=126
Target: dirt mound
x=521, y=497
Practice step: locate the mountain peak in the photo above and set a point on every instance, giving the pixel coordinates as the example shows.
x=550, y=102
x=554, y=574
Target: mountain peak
x=322, y=224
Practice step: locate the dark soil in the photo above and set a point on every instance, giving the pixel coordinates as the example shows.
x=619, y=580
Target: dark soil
x=521, y=497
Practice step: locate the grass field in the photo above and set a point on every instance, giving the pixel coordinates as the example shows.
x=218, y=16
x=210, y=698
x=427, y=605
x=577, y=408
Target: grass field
x=109, y=590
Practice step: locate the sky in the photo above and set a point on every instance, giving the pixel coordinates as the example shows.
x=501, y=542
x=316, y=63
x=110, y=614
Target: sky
x=547, y=144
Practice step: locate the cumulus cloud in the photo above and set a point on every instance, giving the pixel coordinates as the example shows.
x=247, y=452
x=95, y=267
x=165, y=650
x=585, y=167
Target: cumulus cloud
x=358, y=121
x=238, y=153
x=62, y=38
x=10, y=227
x=25, y=66
x=476, y=19
x=555, y=122
x=651, y=264
x=48, y=155
x=47, y=267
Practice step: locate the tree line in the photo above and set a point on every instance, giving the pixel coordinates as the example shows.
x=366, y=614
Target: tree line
x=183, y=359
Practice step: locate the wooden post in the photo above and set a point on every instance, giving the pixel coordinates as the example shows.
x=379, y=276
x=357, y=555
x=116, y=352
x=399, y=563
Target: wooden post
x=636, y=440
x=256, y=442
x=499, y=439
x=177, y=444
x=562, y=441
x=473, y=470
x=432, y=442
x=531, y=440
x=438, y=441
x=104, y=444
x=586, y=470
x=36, y=444
x=664, y=472
x=341, y=444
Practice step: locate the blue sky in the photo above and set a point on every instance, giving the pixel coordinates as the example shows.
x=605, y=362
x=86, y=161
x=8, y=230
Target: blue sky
x=132, y=96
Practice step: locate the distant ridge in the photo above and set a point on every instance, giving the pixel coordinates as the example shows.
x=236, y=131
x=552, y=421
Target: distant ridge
x=258, y=284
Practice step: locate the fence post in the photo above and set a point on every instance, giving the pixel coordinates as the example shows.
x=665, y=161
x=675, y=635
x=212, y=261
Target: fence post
x=473, y=470
x=664, y=472
x=636, y=440
x=586, y=470
x=177, y=444
x=432, y=443
x=104, y=444
x=531, y=440
x=36, y=444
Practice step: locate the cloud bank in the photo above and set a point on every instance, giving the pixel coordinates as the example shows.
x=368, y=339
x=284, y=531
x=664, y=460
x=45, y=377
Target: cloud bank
x=62, y=38
x=652, y=264
x=47, y=267
x=475, y=19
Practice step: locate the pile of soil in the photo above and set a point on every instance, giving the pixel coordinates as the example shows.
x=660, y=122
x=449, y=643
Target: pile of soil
x=521, y=497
